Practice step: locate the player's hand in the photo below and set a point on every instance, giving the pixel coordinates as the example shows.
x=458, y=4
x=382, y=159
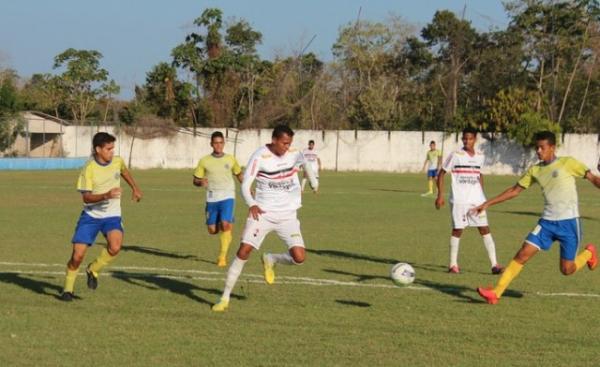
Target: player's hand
x=114, y=193
x=255, y=211
x=204, y=182
x=136, y=195
x=439, y=202
x=478, y=209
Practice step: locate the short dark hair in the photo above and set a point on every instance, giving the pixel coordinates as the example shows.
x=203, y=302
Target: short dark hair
x=545, y=135
x=216, y=134
x=281, y=130
x=101, y=139
x=469, y=130
x=432, y=142
x=311, y=141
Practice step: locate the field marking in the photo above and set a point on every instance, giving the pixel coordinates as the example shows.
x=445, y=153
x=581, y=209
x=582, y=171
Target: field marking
x=245, y=277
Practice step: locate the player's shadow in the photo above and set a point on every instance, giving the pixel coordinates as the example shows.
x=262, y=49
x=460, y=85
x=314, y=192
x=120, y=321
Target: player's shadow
x=465, y=294
x=352, y=303
x=176, y=286
x=358, y=277
x=351, y=255
x=153, y=251
x=393, y=190
x=536, y=214
x=34, y=285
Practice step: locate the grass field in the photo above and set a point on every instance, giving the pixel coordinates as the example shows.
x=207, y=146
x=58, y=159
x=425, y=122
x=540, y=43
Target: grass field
x=152, y=307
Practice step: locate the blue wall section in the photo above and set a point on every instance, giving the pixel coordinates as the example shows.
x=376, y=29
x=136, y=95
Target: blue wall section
x=41, y=163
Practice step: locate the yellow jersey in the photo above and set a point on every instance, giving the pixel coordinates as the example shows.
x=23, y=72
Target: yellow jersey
x=557, y=180
x=218, y=171
x=433, y=158
x=99, y=178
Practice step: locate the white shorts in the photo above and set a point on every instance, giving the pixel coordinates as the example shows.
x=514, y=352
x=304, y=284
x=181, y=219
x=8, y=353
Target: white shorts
x=285, y=224
x=462, y=217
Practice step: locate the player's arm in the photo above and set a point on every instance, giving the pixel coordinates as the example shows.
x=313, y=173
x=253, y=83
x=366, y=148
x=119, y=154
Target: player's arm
x=439, y=162
x=136, y=192
x=247, y=180
x=507, y=194
x=237, y=170
x=200, y=179
x=90, y=198
x=481, y=180
x=595, y=180
x=439, y=201
x=319, y=161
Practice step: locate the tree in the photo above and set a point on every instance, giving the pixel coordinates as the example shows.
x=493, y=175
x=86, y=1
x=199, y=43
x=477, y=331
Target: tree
x=107, y=93
x=11, y=125
x=81, y=80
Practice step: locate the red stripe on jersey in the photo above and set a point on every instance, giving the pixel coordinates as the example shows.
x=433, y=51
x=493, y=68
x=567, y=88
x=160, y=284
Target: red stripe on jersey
x=466, y=171
x=279, y=177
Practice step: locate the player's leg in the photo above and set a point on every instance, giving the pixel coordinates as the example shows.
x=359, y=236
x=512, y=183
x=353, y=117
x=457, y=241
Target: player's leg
x=113, y=231
x=226, y=226
x=570, y=237
x=212, y=217
x=288, y=230
x=79, y=250
x=458, y=213
x=480, y=221
x=304, y=179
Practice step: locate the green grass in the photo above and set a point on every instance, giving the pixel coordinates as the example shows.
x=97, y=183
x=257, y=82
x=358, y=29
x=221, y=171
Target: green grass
x=355, y=229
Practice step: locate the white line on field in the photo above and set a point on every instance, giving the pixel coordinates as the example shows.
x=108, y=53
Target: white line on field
x=254, y=278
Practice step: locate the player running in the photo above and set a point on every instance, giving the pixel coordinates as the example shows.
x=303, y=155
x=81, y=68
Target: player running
x=464, y=166
x=100, y=187
x=214, y=172
x=433, y=161
x=560, y=219
x=273, y=208
x=312, y=157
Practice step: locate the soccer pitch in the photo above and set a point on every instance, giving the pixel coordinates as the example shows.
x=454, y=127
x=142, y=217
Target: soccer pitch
x=152, y=307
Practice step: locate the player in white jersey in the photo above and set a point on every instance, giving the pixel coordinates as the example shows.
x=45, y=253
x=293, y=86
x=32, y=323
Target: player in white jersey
x=277, y=197
x=312, y=158
x=466, y=193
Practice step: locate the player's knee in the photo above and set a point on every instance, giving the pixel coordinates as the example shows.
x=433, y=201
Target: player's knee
x=114, y=249
x=226, y=227
x=75, y=261
x=298, y=258
x=567, y=270
x=213, y=230
x=244, y=252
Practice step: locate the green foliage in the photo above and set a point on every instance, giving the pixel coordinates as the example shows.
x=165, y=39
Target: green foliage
x=11, y=124
x=530, y=124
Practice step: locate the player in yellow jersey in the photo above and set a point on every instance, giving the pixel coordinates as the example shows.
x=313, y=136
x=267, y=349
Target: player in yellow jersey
x=214, y=172
x=433, y=162
x=560, y=219
x=100, y=187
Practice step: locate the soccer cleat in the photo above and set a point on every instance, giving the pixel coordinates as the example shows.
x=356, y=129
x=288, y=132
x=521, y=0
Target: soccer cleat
x=268, y=267
x=497, y=269
x=66, y=296
x=454, y=269
x=593, y=262
x=488, y=294
x=221, y=262
x=429, y=193
x=92, y=280
x=221, y=306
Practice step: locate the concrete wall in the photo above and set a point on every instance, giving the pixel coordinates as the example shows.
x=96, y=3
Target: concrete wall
x=396, y=151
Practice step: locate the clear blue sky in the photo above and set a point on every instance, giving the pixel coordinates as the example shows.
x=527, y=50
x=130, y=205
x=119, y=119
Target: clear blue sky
x=134, y=35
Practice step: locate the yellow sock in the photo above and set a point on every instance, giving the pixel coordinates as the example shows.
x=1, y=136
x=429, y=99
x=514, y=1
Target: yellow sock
x=225, y=238
x=582, y=259
x=70, y=280
x=512, y=270
x=104, y=259
x=431, y=186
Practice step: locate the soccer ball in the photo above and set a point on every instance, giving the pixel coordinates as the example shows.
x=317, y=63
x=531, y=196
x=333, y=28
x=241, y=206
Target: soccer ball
x=402, y=274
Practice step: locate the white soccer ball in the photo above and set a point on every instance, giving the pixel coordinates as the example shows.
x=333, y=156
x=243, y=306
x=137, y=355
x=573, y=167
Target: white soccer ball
x=402, y=274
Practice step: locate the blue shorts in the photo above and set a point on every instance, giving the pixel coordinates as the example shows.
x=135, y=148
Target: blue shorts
x=220, y=211
x=88, y=227
x=432, y=172
x=567, y=232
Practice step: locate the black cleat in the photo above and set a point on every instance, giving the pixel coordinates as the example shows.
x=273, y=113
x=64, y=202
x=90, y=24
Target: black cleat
x=92, y=280
x=66, y=296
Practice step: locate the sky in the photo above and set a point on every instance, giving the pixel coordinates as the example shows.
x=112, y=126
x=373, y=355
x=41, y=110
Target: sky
x=135, y=35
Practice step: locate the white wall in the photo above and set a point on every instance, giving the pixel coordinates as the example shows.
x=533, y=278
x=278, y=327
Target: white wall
x=346, y=150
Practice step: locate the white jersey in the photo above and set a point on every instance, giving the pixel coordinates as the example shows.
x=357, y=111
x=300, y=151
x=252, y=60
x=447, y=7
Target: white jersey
x=312, y=157
x=277, y=183
x=465, y=171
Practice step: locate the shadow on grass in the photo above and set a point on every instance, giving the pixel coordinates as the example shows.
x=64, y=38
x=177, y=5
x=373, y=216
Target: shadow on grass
x=393, y=190
x=176, y=286
x=465, y=294
x=351, y=255
x=359, y=277
x=536, y=214
x=34, y=285
x=153, y=251
x=352, y=303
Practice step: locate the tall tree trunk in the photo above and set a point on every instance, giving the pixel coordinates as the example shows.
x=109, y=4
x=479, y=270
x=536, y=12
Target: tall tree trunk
x=587, y=88
x=572, y=76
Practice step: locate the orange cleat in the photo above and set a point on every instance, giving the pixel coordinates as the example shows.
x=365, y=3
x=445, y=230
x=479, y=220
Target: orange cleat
x=488, y=294
x=593, y=262
x=497, y=269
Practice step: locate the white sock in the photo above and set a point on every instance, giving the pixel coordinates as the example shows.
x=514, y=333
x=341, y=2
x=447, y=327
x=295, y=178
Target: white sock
x=490, y=246
x=454, y=242
x=235, y=269
x=285, y=259
x=303, y=183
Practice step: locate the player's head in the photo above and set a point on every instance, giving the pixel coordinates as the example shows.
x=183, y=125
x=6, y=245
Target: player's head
x=469, y=135
x=545, y=145
x=432, y=144
x=103, y=146
x=217, y=142
x=311, y=144
x=281, y=139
